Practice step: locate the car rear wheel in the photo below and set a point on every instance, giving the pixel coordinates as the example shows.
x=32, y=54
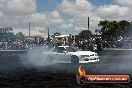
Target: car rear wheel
x=74, y=59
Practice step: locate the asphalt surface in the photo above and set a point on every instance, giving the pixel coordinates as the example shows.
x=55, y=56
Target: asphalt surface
x=13, y=74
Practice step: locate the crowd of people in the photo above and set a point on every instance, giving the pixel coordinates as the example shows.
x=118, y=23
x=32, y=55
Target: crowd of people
x=97, y=43
x=94, y=43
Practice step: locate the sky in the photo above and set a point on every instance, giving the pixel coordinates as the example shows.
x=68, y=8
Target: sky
x=64, y=16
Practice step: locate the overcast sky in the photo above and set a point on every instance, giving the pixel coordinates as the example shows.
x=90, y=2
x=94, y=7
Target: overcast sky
x=62, y=15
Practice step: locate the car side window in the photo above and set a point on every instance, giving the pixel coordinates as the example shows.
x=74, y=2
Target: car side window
x=61, y=49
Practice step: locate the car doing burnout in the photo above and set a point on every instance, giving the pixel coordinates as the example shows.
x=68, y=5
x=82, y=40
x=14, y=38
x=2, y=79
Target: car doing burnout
x=67, y=54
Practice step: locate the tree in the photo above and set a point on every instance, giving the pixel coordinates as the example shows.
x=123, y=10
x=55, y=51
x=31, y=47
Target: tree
x=9, y=36
x=85, y=34
x=114, y=28
x=8, y=29
x=126, y=28
x=56, y=34
x=110, y=29
x=20, y=36
x=6, y=33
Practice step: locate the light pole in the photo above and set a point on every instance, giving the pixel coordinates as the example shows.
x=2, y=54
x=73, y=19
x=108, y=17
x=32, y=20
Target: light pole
x=29, y=29
x=48, y=36
x=88, y=28
x=88, y=23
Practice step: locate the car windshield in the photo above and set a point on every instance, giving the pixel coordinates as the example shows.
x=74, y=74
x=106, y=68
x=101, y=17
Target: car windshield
x=70, y=49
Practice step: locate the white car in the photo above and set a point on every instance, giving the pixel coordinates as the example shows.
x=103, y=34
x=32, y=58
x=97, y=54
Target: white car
x=67, y=54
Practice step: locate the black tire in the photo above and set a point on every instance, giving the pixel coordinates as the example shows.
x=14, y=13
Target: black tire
x=74, y=60
x=49, y=59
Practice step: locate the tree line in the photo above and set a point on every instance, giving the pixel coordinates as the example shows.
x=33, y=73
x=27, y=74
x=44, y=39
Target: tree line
x=109, y=29
x=115, y=29
x=6, y=34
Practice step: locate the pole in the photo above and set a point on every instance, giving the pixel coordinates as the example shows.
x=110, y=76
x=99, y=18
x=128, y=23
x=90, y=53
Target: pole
x=48, y=36
x=88, y=28
x=88, y=23
x=29, y=29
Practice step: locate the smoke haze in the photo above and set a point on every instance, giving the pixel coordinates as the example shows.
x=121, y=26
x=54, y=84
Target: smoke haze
x=35, y=57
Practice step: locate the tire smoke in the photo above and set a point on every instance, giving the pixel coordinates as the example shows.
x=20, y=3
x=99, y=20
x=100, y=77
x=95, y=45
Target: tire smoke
x=117, y=61
x=35, y=57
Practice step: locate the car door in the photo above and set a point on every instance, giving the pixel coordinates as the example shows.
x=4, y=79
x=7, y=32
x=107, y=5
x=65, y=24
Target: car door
x=60, y=54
